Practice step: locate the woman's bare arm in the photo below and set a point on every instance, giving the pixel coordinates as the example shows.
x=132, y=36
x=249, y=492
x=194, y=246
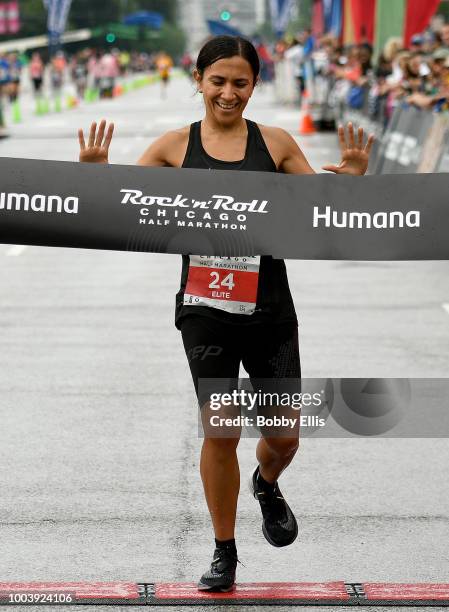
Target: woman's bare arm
x=291, y=160
x=167, y=150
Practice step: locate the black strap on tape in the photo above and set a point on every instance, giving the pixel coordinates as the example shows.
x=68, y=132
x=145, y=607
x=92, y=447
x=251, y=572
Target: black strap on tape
x=226, y=213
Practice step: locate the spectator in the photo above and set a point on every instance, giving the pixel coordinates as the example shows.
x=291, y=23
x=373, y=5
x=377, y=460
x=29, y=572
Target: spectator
x=108, y=71
x=15, y=73
x=186, y=64
x=164, y=64
x=36, y=71
x=295, y=55
x=79, y=72
x=444, y=35
x=5, y=75
x=57, y=70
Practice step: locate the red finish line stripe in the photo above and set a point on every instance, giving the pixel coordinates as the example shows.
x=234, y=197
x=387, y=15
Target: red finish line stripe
x=258, y=590
x=307, y=592
x=82, y=590
x=392, y=591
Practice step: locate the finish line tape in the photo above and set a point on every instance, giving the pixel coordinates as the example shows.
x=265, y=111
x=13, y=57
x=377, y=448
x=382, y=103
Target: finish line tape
x=223, y=213
x=337, y=593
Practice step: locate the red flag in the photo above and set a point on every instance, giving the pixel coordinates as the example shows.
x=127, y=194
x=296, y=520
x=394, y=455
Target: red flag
x=317, y=18
x=3, y=28
x=363, y=12
x=418, y=16
x=12, y=16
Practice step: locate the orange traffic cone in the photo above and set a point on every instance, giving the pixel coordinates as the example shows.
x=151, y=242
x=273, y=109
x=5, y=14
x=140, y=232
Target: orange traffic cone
x=118, y=91
x=306, y=125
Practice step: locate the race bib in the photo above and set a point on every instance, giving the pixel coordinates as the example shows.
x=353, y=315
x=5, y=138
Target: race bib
x=226, y=283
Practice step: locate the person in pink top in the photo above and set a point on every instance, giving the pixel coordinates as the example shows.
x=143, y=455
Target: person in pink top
x=93, y=69
x=36, y=71
x=109, y=70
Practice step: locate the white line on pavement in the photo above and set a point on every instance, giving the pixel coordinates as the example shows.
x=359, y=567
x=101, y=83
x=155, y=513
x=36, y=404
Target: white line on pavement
x=16, y=250
x=446, y=307
x=287, y=116
x=53, y=123
x=175, y=119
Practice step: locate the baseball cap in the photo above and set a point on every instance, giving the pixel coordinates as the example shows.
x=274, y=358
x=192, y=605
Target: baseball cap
x=440, y=54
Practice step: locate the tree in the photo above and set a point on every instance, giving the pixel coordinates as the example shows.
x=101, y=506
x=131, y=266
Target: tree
x=167, y=8
x=265, y=32
x=88, y=14
x=304, y=19
x=172, y=40
x=91, y=14
x=443, y=10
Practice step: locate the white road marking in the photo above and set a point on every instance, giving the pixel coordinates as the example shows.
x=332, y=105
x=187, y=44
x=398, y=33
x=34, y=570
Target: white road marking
x=446, y=307
x=16, y=250
x=287, y=116
x=171, y=119
x=53, y=123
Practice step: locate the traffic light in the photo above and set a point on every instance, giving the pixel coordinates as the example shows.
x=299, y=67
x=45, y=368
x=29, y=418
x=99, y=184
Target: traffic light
x=110, y=37
x=225, y=15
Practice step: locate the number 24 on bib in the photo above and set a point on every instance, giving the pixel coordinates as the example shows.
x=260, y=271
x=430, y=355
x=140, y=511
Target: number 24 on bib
x=226, y=283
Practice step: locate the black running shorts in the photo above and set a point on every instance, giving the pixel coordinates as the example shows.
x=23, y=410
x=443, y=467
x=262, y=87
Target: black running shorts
x=214, y=349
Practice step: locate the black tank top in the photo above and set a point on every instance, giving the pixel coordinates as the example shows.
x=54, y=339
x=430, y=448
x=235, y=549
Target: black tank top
x=274, y=301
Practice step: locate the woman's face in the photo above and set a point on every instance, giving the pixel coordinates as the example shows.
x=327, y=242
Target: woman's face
x=364, y=55
x=437, y=67
x=227, y=86
x=403, y=60
x=414, y=64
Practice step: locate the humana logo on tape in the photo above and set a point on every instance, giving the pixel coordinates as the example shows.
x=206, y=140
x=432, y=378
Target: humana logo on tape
x=38, y=203
x=361, y=220
x=134, y=196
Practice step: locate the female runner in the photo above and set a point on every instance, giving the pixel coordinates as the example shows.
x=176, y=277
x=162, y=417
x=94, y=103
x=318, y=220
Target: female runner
x=259, y=328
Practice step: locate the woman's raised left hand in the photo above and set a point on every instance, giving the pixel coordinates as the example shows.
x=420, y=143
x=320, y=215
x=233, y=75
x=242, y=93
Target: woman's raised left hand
x=354, y=156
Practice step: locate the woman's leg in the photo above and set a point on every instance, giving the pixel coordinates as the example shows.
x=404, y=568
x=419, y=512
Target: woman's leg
x=275, y=454
x=272, y=361
x=221, y=481
x=210, y=350
x=273, y=364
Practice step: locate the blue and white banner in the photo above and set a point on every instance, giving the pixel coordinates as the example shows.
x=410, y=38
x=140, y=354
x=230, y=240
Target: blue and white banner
x=333, y=16
x=337, y=17
x=58, y=11
x=281, y=11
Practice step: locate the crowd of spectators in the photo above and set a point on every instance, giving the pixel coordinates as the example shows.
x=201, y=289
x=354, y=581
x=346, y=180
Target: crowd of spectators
x=339, y=77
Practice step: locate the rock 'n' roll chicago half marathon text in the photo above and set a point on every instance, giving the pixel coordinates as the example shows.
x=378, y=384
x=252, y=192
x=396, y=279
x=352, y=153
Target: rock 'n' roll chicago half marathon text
x=207, y=214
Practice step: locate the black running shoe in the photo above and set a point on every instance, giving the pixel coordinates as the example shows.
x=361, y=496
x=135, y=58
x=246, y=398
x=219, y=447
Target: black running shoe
x=221, y=576
x=279, y=524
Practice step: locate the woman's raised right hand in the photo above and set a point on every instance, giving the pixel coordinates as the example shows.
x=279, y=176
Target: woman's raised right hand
x=97, y=148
